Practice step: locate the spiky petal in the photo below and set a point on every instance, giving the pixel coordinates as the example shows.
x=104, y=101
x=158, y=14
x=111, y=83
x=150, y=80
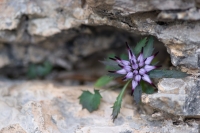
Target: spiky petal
x=146, y=78
x=129, y=75
x=135, y=66
x=122, y=71
x=134, y=84
x=142, y=71
x=149, y=59
x=149, y=68
x=141, y=57
x=123, y=62
x=130, y=53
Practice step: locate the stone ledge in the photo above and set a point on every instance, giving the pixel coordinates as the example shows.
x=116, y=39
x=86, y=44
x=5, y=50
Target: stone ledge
x=35, y=106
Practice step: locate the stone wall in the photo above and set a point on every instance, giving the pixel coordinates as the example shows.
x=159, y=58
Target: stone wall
x=68, y=32
x=37, y=22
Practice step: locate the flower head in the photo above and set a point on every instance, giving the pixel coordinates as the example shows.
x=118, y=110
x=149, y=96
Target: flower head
x=136, y=68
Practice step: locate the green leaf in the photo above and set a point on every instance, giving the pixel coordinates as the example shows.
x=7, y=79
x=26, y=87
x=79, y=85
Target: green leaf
x=90, y=101
x=113, y=66
x=40, y=70
x=154, y=62
x=146, y=88
x=148, y=49
x=124, y=57
x=32, y=72
x=117, y=104
x=114, y=75
x=110, y=55
x=102, y=81
x=137, y=94
x=110, y=64
x=47, y=68
x=139, y=46
x=149, y=90
x=167, y=74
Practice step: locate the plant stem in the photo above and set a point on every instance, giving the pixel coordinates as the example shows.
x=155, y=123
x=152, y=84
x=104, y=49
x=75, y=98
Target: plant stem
x=114, y=88
x=124, y=88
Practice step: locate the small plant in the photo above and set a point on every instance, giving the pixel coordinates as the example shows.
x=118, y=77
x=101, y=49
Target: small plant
x=138, y=69
x=39, y=70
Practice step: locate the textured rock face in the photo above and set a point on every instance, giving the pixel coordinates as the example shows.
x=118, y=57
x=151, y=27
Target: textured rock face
x=53, y=108
x=180, y=38
x=176, y=96
x=65, y=48
x=65, y=32
x=32, y=21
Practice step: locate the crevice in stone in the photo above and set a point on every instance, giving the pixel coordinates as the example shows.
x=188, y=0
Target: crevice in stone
x=114, y=15
x=162, y=23
x=80, y=51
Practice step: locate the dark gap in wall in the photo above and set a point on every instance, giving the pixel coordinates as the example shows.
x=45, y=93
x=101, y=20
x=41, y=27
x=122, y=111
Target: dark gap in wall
x=74, y=54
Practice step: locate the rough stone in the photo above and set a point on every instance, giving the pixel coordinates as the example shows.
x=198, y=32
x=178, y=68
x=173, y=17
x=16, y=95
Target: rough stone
x=65, y=51
x=148, y=21
x=176, y=96
x=33, y=21
x=58, y=30
x=34, y=106
x=191, y=14
x=134, y=6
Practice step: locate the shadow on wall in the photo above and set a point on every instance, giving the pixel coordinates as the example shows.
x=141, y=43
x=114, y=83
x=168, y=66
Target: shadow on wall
x=73, y=54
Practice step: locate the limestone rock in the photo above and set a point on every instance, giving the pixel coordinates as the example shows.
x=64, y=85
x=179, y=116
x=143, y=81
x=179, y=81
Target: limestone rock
x=176, y=96
x=143, y=6
x=45, y=18
x=180, y=38
x=58, y=30
x=30, y=22
x=65, y=48
x=192, y=14
x=53, y=108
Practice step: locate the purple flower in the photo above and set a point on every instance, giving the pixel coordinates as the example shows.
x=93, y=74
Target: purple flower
x=135, y=69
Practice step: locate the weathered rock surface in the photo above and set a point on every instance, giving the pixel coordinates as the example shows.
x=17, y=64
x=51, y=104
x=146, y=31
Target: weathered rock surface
x=176, y=96
x=180, y=38
x=45, y=107
x=65, y=33
x=64, y=49
x=28, y=22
